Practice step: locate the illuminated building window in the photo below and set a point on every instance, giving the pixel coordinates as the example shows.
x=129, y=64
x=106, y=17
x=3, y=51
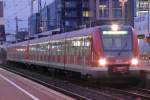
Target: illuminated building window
x=86, y=14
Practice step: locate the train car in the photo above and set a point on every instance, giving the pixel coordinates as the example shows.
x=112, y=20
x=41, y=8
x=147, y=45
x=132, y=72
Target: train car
x=101, y=51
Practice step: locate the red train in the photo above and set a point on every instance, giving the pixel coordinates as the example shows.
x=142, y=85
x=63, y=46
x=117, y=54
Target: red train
x=97, y=52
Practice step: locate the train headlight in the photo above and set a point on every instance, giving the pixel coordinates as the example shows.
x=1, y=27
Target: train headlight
x=102, y=62
x=114, y=27
x=134, y=61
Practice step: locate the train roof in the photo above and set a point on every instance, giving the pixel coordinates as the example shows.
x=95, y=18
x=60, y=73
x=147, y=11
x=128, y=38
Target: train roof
x=76, y=33
x=18, y=44
x=125, y=26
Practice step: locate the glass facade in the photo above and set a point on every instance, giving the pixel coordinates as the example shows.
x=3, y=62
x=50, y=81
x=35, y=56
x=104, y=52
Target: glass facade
x=2, y=26
x=74, y=13
x=142, y=6
x=116, y=9
x=71, y=4
x=117, y=13
x=1, y=9
x=106, y=7
x=108, y=11
x=64, y=14
x=103, y=8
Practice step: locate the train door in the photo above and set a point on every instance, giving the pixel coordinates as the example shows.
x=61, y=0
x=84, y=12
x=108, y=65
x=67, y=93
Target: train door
x=74, y=51
x=87, y=50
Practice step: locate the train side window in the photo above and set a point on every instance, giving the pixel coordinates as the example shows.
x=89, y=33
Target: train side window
x=34, y=51
x=87, y=46
x=62, y=47
x=30, y=49
x=54, y=48
x=37, y=49
x=72, y=47
x=82, y=46
x=75, y=46
x=60, y=50
x=44, y=48
x=69, y=47
x=79, y=46
x=49, y=49
x=58, y=47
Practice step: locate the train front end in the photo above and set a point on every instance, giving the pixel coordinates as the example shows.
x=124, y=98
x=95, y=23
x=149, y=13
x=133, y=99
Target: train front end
x=119, y=51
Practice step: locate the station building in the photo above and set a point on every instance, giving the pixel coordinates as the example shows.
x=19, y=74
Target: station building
x=63, y=14
x=2, y=26
x=142, y=26
x=68, y=15
x=142, y=7
x=106, y=11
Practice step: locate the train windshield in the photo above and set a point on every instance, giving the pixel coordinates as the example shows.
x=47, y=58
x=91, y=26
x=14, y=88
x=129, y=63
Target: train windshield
x=120, y=40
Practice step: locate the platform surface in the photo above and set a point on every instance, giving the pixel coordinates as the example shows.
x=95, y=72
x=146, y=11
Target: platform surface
x=15, y=87
x=145, y=67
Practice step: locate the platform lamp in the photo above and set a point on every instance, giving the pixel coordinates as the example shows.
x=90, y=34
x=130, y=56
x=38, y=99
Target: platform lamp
x=123, y=8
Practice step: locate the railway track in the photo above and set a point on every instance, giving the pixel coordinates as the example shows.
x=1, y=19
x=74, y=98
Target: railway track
x=75, y=91
x=129, y=94
x=141, y=91
x=84, y=92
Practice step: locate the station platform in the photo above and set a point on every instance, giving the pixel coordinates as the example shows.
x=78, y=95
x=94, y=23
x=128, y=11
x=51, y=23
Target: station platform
x=15, y=87
x=145, y=68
